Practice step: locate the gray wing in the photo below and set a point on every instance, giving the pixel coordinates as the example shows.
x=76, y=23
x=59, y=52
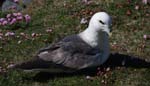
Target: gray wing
x=70, y=53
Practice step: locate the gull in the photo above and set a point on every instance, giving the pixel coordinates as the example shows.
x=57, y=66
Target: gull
x=90, y=48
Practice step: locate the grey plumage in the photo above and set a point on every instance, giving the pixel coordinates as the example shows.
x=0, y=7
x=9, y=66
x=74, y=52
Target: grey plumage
x=71, y=53
x=89, y=48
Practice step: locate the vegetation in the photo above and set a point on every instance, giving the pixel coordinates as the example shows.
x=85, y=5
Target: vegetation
x=51, y=20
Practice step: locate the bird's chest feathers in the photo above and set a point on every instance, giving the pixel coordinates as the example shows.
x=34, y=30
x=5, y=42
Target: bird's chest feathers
x=94, y=42
x=95, y=39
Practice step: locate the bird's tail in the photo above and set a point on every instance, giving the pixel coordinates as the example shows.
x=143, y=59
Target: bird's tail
x=30, y=65
x=37, y=64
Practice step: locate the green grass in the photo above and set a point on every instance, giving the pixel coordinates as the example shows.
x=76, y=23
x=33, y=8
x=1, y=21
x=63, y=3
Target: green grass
x=64, y=18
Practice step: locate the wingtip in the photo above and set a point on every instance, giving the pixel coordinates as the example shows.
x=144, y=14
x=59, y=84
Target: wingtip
x=11, y=66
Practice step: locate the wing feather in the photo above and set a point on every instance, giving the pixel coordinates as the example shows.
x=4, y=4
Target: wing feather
x=71, y=52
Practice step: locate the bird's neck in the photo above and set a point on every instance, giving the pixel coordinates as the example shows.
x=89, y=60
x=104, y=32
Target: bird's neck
x=91, y=37
x=97, y=40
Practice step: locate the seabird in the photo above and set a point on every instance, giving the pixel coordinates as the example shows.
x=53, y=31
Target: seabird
x=89, y=48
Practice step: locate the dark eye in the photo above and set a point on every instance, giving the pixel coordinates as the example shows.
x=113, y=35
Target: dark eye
x=101, y=22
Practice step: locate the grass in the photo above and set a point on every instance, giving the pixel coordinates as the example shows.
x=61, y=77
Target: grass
x=63, y=17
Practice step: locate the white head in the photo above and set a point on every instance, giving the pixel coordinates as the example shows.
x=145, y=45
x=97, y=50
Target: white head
x=100, y=21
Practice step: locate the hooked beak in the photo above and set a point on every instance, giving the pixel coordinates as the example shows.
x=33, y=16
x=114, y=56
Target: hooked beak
x=108, y=31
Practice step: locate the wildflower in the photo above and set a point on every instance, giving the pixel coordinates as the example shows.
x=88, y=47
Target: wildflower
x=8, y=16
x=9, y=19
x=0, y=37
x=137, y=7
x=2, y=19
x=83, y=21
x=4, y=22
x=15, y=14
x=87, y=2
x=16, y=1
x=27, y=18
x=19, y=14
x=33, y=34
x=13, y=21
x=144, y=1
x=10, y=34
x=146, y=37
x=19, y=18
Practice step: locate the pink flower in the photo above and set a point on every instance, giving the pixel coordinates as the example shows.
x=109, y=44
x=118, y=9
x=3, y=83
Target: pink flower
x=83, y=21
x=13, y=21
x=87, y=2
x=27, y=18
x=8, y=16
x=16, y=1
x=19, y=18
x=19, y=14
x=33, y=34
x=4, y=22
x=137, y=7
x=2, y=19
x=9, y=19
x=144, y=36
x=0, y=37
x=144, y=1
x=15, y=14
x=9, y=34
x=1, y=34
